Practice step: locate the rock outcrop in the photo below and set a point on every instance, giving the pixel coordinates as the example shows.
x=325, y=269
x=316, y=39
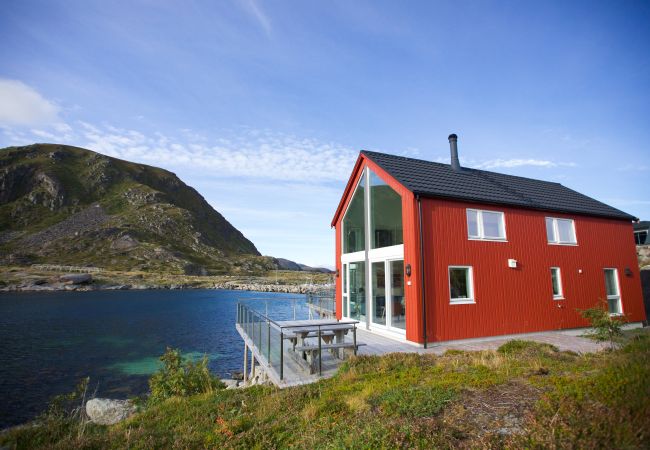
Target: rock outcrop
x=104, y=411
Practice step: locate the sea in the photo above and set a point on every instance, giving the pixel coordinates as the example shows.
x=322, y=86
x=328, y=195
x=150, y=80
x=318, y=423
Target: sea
x=50, y=341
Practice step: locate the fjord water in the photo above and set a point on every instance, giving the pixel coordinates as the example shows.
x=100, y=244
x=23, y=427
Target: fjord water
x=49, y=341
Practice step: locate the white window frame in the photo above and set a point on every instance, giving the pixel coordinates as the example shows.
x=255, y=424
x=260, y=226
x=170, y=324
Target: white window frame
x=479, y=224
x=556, y=231
x=560, y=295
x=470, y=286
x=618, y=289
x=639, y=233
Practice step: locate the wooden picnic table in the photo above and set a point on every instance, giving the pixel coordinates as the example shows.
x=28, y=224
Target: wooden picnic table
x=330, y=331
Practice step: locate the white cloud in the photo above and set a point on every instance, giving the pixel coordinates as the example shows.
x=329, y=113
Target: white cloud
x=249, y=153
x=509, y=163
x=253, y=9
x=634, y=167
x=22, y=105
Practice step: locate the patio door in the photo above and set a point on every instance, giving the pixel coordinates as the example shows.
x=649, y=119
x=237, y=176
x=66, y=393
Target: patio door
x=388, y=308
x=354, y=294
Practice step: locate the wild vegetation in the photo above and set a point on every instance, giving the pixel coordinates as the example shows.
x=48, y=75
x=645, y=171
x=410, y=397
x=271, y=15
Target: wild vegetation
x=179, y=378
x=524, y=395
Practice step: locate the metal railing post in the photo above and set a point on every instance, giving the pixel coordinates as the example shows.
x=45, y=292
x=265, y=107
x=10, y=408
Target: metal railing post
x=268, y=342
x=354, y=337
x=320, y=356
x=281, y=354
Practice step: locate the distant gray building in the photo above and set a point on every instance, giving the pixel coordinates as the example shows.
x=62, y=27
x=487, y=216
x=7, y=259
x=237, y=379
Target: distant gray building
x=641, y=232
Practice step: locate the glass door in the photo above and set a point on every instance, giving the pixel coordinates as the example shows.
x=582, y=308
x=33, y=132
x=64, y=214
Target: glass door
x=397, y=300
x=378, y=277
x=388, y=307
x=357, y=291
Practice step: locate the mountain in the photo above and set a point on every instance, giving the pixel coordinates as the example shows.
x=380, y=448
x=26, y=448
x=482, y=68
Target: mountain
x=285, y=264
x=68, y=205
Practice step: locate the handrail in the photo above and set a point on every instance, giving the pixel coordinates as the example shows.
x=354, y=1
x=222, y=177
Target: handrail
x=247, y=316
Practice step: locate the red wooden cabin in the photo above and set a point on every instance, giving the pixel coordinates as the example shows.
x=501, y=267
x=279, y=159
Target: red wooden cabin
x=430, y=252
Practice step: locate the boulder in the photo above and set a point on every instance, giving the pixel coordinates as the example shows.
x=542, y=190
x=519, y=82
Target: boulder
x=73, y=278
x=230, y=384
x=105, y=411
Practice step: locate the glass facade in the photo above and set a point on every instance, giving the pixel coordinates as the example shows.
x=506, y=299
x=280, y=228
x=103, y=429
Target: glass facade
x=373, y=278
x=354, y=235
x=386, y=214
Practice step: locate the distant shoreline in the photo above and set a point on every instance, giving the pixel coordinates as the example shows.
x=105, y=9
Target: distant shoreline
x=59, y=287
x=30, y=279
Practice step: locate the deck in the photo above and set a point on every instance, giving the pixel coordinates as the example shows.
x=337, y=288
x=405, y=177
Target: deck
x=272, y=350
x=293, y=373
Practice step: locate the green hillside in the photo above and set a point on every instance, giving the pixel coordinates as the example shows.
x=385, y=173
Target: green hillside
x=68, y=205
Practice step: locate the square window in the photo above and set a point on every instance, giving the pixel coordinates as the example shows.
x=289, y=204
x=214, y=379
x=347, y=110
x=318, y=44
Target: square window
x=461, y=289
x=560, y=231
x=488, y=225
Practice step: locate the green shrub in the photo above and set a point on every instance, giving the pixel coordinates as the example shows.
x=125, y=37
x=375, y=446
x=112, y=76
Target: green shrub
x=605, y=326
x=179, y=378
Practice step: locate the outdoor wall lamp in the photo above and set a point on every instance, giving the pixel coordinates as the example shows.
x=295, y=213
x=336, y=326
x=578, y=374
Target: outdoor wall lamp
x=628, y=272
x=408, y=270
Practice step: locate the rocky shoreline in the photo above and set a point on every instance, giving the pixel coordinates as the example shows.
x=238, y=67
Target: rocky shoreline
x=47, y=286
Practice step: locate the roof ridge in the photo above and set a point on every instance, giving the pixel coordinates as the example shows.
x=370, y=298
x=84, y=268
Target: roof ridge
x=468, y=168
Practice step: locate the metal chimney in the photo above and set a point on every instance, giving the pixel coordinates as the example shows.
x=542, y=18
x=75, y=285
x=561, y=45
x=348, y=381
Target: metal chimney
x=453, y=147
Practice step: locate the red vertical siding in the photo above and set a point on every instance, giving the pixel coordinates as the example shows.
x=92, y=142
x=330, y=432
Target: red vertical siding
x=520, y=300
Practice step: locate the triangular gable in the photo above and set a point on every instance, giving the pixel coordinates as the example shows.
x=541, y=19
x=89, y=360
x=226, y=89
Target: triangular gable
x=351, y=184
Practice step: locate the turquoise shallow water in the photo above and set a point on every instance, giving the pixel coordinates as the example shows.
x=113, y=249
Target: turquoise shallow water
x=49, y=341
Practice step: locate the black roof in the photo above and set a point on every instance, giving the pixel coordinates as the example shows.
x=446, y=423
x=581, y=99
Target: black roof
x=431, y=179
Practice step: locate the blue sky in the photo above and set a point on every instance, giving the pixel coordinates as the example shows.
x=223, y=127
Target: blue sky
x=262, y=106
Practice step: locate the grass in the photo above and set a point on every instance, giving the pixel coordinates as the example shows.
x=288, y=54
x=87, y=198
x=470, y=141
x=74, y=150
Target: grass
x=525, y=395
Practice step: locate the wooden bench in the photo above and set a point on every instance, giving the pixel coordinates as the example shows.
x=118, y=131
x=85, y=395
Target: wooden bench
x=299, y=336
x=310, y=352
